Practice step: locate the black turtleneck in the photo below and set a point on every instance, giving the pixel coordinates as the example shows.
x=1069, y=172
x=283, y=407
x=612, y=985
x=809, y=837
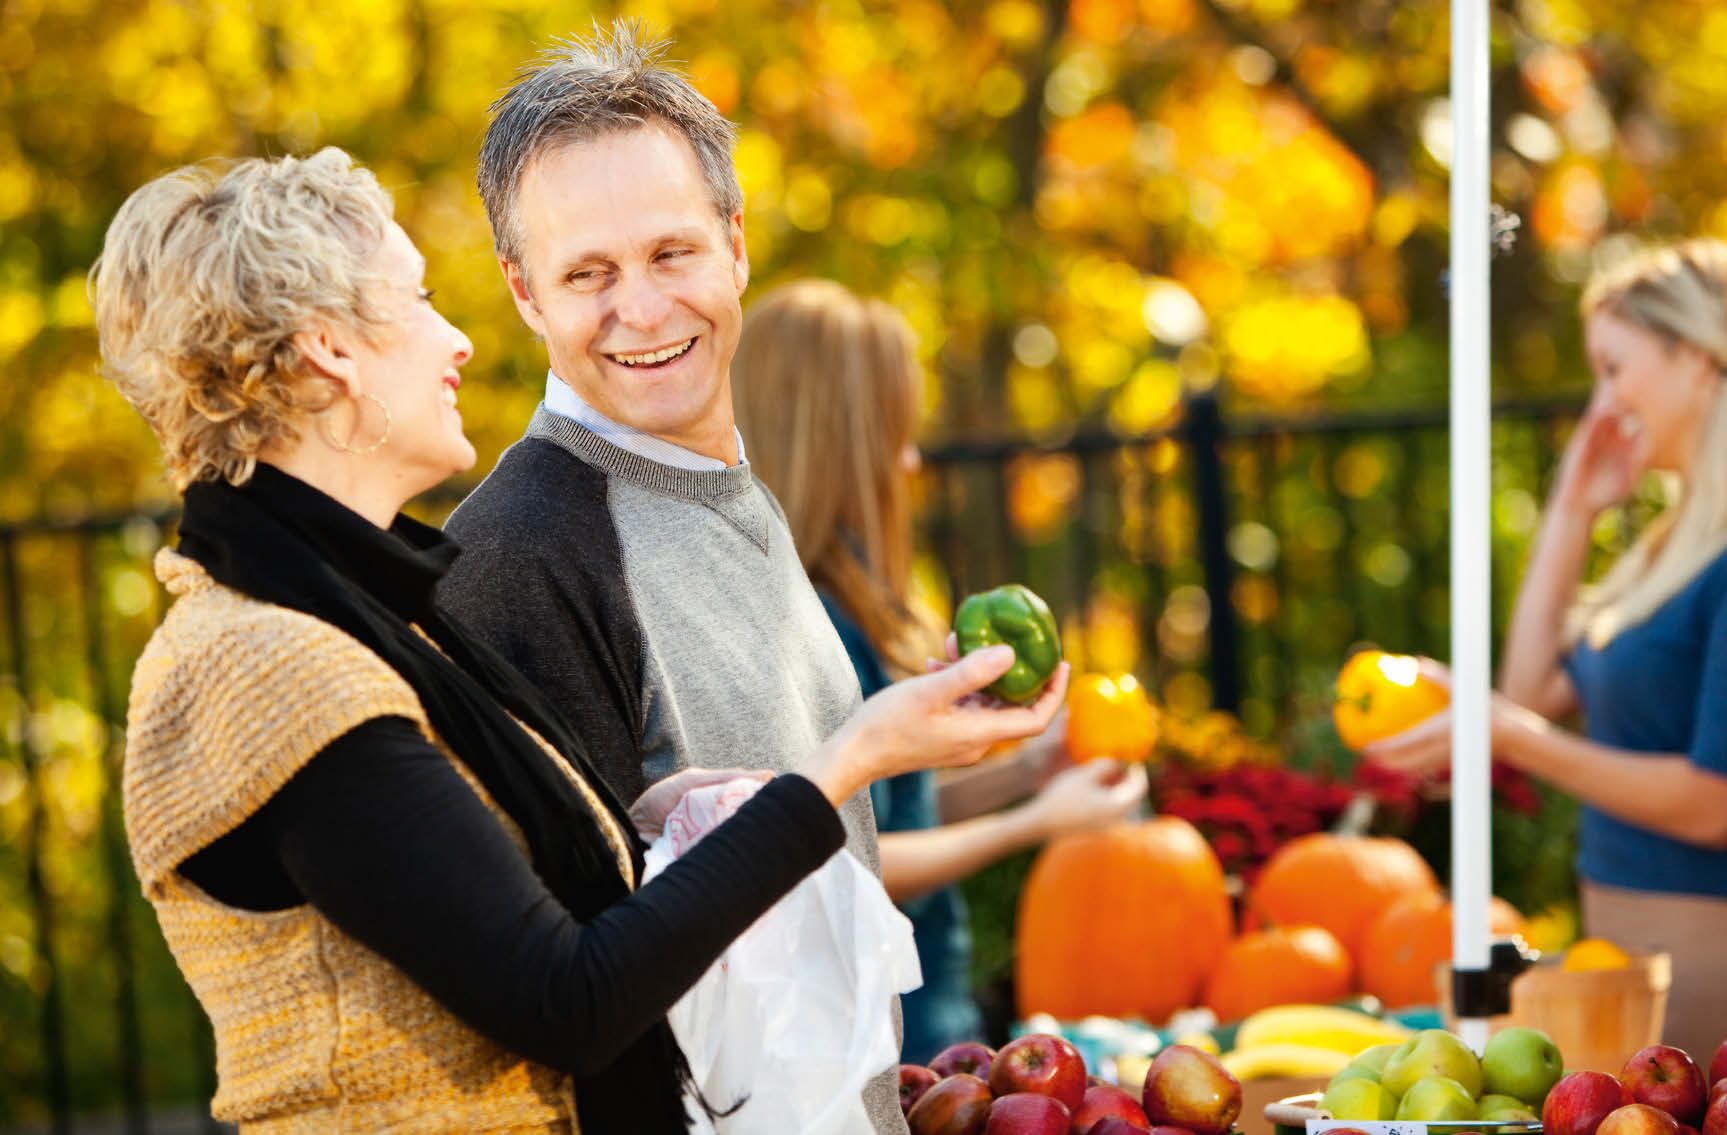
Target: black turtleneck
x=381, y=834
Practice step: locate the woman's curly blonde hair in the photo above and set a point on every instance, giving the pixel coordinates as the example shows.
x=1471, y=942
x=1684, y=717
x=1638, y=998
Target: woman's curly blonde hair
x=205, y=276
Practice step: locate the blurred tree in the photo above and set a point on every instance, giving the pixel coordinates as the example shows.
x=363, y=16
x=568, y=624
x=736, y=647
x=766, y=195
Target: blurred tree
x=1084, y=206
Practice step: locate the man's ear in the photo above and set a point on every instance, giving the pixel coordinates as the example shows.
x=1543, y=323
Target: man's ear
x=740, y=254
x=329, y=351
x=525, y=305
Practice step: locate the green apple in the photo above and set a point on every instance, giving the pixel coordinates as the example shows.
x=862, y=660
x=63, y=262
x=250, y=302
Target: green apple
x=1368, y=1063
x=1432, y=1052
x=1521, y=1063
x=1436, y=1099
x=1504, y=1109
x=1358, y=1098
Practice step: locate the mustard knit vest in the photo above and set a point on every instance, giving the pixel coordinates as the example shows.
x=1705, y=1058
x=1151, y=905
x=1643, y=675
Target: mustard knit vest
x=314, y=1032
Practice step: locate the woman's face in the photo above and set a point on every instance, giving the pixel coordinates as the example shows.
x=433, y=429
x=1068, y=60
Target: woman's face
x=1663, y=390
x=412, y=367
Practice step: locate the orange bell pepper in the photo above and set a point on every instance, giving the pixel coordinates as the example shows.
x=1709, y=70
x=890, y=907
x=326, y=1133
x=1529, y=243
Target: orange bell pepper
x=1379, y=694
x=1109, y=717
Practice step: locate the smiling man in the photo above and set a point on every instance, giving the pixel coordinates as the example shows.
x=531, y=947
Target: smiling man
x=622, y=554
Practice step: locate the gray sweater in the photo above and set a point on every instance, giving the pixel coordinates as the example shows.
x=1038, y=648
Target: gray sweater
x=664, y=611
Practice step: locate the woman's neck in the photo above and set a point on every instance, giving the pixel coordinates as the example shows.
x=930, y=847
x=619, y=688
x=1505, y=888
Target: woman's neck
x=373, y=492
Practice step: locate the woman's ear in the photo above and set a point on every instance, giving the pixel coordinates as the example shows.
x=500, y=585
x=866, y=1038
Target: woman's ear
x=328, y=352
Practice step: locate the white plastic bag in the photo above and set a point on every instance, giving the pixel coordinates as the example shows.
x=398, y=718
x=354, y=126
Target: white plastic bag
x=796, y=1016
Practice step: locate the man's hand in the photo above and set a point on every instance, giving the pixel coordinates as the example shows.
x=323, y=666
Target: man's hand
x=651, y=808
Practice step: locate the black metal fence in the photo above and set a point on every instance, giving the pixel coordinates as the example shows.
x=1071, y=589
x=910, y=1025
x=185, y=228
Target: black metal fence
x=1229, y=563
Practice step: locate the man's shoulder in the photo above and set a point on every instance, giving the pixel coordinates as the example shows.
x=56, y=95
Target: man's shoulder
x=535, y=495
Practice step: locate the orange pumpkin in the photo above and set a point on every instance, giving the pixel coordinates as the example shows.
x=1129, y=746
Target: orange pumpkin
x=1282, y=966
x=1125, y=921
x=1410, y=938
x=1342, y=883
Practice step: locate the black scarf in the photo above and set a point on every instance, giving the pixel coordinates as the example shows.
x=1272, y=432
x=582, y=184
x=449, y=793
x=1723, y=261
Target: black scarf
x=279, y=540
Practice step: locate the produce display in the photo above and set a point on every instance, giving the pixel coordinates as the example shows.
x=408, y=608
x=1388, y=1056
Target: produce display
x=1014, y=614
x=1519, y=1078
x=1434, y=1077
x=1037, y=1085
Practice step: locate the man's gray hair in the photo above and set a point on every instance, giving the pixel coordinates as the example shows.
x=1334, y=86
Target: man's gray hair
x=583, y=89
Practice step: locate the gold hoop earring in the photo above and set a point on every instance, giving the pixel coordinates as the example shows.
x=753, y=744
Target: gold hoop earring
x=330, y=435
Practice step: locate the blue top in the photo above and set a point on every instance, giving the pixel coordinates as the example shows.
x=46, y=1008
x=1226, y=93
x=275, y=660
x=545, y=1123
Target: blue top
x=1659, y=687
x=940, y=1012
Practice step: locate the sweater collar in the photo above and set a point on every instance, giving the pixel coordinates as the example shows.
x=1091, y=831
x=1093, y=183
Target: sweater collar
x=399, y=566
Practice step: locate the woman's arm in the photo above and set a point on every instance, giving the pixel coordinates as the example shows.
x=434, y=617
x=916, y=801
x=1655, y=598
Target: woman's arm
x=1096, y=793
x=1667, y=793
x=1531, y=671
x=391, y=845
x=1600, y=467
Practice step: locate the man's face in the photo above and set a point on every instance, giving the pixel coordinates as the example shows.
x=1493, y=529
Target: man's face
x=633, y=281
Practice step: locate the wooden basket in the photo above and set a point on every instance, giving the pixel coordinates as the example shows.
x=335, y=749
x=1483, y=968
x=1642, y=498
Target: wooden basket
x=1598, y=1018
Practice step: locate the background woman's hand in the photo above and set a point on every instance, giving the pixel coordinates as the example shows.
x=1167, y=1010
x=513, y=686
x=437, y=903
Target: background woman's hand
x=931, y=721
x=1603, y=460
x=1091, y=794
x=1424, y=749
x=651, y=808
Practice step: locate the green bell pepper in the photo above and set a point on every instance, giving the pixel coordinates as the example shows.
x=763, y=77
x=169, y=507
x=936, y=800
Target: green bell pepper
x=1013, y=614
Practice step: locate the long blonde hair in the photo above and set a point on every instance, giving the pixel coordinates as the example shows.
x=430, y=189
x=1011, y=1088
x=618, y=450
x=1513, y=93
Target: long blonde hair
x=1678, y=293
x=827, y=389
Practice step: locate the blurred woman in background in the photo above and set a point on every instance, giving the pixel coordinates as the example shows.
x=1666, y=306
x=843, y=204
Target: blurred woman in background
x=1643, y=653
x=829, y=396
x=386, y=866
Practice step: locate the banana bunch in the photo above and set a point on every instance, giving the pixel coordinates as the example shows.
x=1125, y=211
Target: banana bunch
x=1305, y=1040
x=1275, y=1060
x=1321, y=1026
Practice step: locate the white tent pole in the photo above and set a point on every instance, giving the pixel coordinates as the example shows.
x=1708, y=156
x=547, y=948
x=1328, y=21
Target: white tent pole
x=1471, y=410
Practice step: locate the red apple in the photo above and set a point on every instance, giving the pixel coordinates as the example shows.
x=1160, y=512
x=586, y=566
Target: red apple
x=1579, y=1102
x=1715, y=1116
x=1041, y=1063
x=914, y=1081
x=1107, y=1100
x=1716, y=1091
x=956, y=1105
x=1114, y=1125
x=1638, y=1119
x=1027, y=1113
x=1687, y=1129
x=1188, y=1087
x=1665, y=1077
x=1718, y=1064
x=969, y=1056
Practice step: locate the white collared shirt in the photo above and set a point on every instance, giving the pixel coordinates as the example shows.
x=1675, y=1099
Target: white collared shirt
x=560, y=399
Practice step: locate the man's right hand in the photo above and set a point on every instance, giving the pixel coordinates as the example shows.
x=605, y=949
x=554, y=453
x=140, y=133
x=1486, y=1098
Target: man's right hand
x=932, y=721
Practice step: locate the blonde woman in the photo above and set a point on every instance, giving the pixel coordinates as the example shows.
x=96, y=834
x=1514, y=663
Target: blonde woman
x=1643, y=653
x=388, y=868
x=828, y=392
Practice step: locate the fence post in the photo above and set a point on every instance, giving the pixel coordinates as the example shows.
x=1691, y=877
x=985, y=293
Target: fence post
x=1202, y=424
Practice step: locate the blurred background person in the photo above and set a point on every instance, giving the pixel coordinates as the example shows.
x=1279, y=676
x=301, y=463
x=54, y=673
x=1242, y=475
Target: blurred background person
x=384, y=863
x=1642, y=653
x=829, y=396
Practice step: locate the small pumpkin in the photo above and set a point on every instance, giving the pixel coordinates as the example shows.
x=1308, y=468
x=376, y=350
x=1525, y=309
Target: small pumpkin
x=1409, y=939
x=1342, y=883
x=1286, y=965
x=1128, y=920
